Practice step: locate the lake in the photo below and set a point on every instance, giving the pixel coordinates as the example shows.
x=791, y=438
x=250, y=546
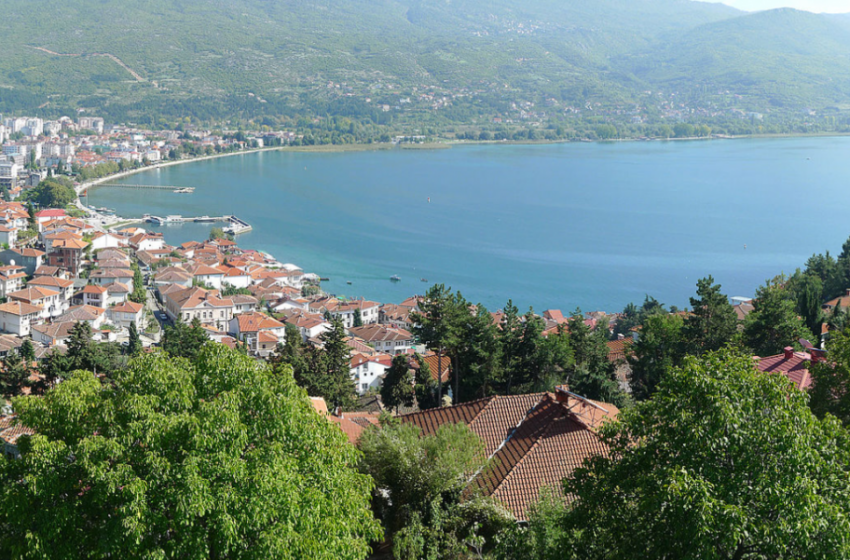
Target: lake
x=562, y=226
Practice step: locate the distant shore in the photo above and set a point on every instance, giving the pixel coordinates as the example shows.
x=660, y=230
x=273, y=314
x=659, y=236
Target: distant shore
x=447, y=144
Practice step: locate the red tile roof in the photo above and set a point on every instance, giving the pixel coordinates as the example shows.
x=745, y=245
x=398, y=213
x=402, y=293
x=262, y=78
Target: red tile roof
x=793, y=365
x=533, y=440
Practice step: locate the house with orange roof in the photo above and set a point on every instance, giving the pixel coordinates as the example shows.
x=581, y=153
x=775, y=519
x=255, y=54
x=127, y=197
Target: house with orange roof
x=126, y=314
x=94, y=316
x=247, y=327
x=10, y=433
x=172, y=275
x=146, y=241
x=104, y=277
x=105, y=240
x=345, y=310
x=234, y=276
x=310, y=325
x=64, y=287
x=8, y=235
x=368, y=371
x=842, y=301
x=206, y=275
x=92, y=295
x=385, y=339
x=53, y=334
x=533, y=441
x=395, y=316
x=18, y=317
x=206, y=305
x=793, y=365
x=48, y=300
x=11, y=279
x=68, y=254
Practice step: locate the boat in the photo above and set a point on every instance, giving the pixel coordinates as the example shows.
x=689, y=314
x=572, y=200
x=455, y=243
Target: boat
x=349, y=282
x=423, y=279
x=173, y=219
x=185, y=190
x=395, y=278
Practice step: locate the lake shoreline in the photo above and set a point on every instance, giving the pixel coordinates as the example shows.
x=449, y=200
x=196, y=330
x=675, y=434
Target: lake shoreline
x=444, y=145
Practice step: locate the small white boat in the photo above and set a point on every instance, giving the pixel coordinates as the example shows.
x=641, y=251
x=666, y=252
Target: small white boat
x=395, y=278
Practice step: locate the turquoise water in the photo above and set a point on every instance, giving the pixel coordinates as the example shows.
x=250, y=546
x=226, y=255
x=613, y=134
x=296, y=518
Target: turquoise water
x=554, y=226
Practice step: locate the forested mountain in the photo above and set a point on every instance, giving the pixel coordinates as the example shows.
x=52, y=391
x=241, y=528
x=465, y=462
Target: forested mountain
x=253, y=57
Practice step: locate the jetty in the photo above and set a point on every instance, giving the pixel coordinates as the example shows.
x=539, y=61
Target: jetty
x=159, y=187
x=235, y=225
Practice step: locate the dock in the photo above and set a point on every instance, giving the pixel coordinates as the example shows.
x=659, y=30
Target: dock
x=235, y=227
x=186, y=190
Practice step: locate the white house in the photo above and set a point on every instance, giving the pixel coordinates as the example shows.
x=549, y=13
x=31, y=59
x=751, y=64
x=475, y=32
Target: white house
x=101, y=240
x=368, y=371
x=53, y=334
x=18, y=317
x=8, y=236
x=126, y=314
x=92, y=295
x=48, y=300
x=385, y=339
x=94, y=316
x=11, y=279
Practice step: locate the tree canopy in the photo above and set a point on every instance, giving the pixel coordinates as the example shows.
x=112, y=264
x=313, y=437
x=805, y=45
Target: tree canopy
x=217, y=458
x=724, y=462
x=52, y=193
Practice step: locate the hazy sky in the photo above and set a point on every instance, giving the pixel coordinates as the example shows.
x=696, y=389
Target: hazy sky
x=833, y=6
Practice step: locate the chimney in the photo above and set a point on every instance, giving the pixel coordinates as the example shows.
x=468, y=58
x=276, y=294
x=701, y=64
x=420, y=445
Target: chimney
x=621, y=336
x=848, y=291
x=818, y=355
x=561, y=393
x=789, y=352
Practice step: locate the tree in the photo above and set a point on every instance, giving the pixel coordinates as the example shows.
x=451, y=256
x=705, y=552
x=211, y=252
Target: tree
x=419, y=481
x=184, y=341
x=425, y=386
x=217, y=458
x=478, y=357
x=27, y=350
x=51, y=193
x=724, y=462
x=139, y=294
x=830, y=391
x=358, y=318
x=15, y=374
x=324, y=372
x=134, y=344
x=773, y=324
x=33, y=223
x=656, y=351
x=397, y=386
x=434, y=324
x=712, y=322
x=510, y=337
x=592, y=374
x=807, y=291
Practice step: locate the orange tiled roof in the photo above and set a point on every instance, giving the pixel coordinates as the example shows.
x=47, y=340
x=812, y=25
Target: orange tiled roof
x=793, y=365
x=534, y=440
x=255, y=322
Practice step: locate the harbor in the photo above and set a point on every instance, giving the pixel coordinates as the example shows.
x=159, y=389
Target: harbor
x=235, y=225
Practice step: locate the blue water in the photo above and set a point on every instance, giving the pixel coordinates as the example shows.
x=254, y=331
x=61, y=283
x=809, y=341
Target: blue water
x=554, y=226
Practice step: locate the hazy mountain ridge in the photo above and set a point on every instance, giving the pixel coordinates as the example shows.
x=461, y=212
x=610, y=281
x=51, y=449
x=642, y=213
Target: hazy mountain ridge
x=571, y=50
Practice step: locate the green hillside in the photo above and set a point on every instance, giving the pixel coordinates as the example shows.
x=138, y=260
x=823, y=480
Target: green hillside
x=247, y=58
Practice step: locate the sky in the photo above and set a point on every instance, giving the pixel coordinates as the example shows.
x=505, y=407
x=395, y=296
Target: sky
x=831, y=6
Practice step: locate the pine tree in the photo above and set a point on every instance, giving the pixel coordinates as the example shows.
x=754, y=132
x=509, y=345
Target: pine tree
x=28, y=351
x=358, y=318
x=15, y=374
x=336, y=367
x=435, y=325
x=712, y=322
x=397, y=387
x=134, y=346
x=510, y=337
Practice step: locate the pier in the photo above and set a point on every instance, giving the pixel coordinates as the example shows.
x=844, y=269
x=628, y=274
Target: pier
x=235, y=227
x=160, y=187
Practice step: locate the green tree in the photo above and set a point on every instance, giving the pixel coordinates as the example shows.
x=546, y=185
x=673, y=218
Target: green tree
x=510, y=338
x=134, y=343
x=773, y=324
x=184, y=341
x=139, y=295
x=657, y=350
x=592, y=374
x=397, y=386
x=425, y=387
x=27, y=350
x=358, y=318
x=830, y=391
x=51, y=193
x=419, y=481
x=214, y=459
x=724, y=462
x=14, y=375
x=435, y=323
x=712, y=323
x=325, y=372
x=478, y=357
x=807, y=291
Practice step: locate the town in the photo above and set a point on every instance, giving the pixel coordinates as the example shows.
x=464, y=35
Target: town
x=75, y=278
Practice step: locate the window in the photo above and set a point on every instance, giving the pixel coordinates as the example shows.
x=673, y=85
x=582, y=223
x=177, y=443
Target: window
x=365, y=386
